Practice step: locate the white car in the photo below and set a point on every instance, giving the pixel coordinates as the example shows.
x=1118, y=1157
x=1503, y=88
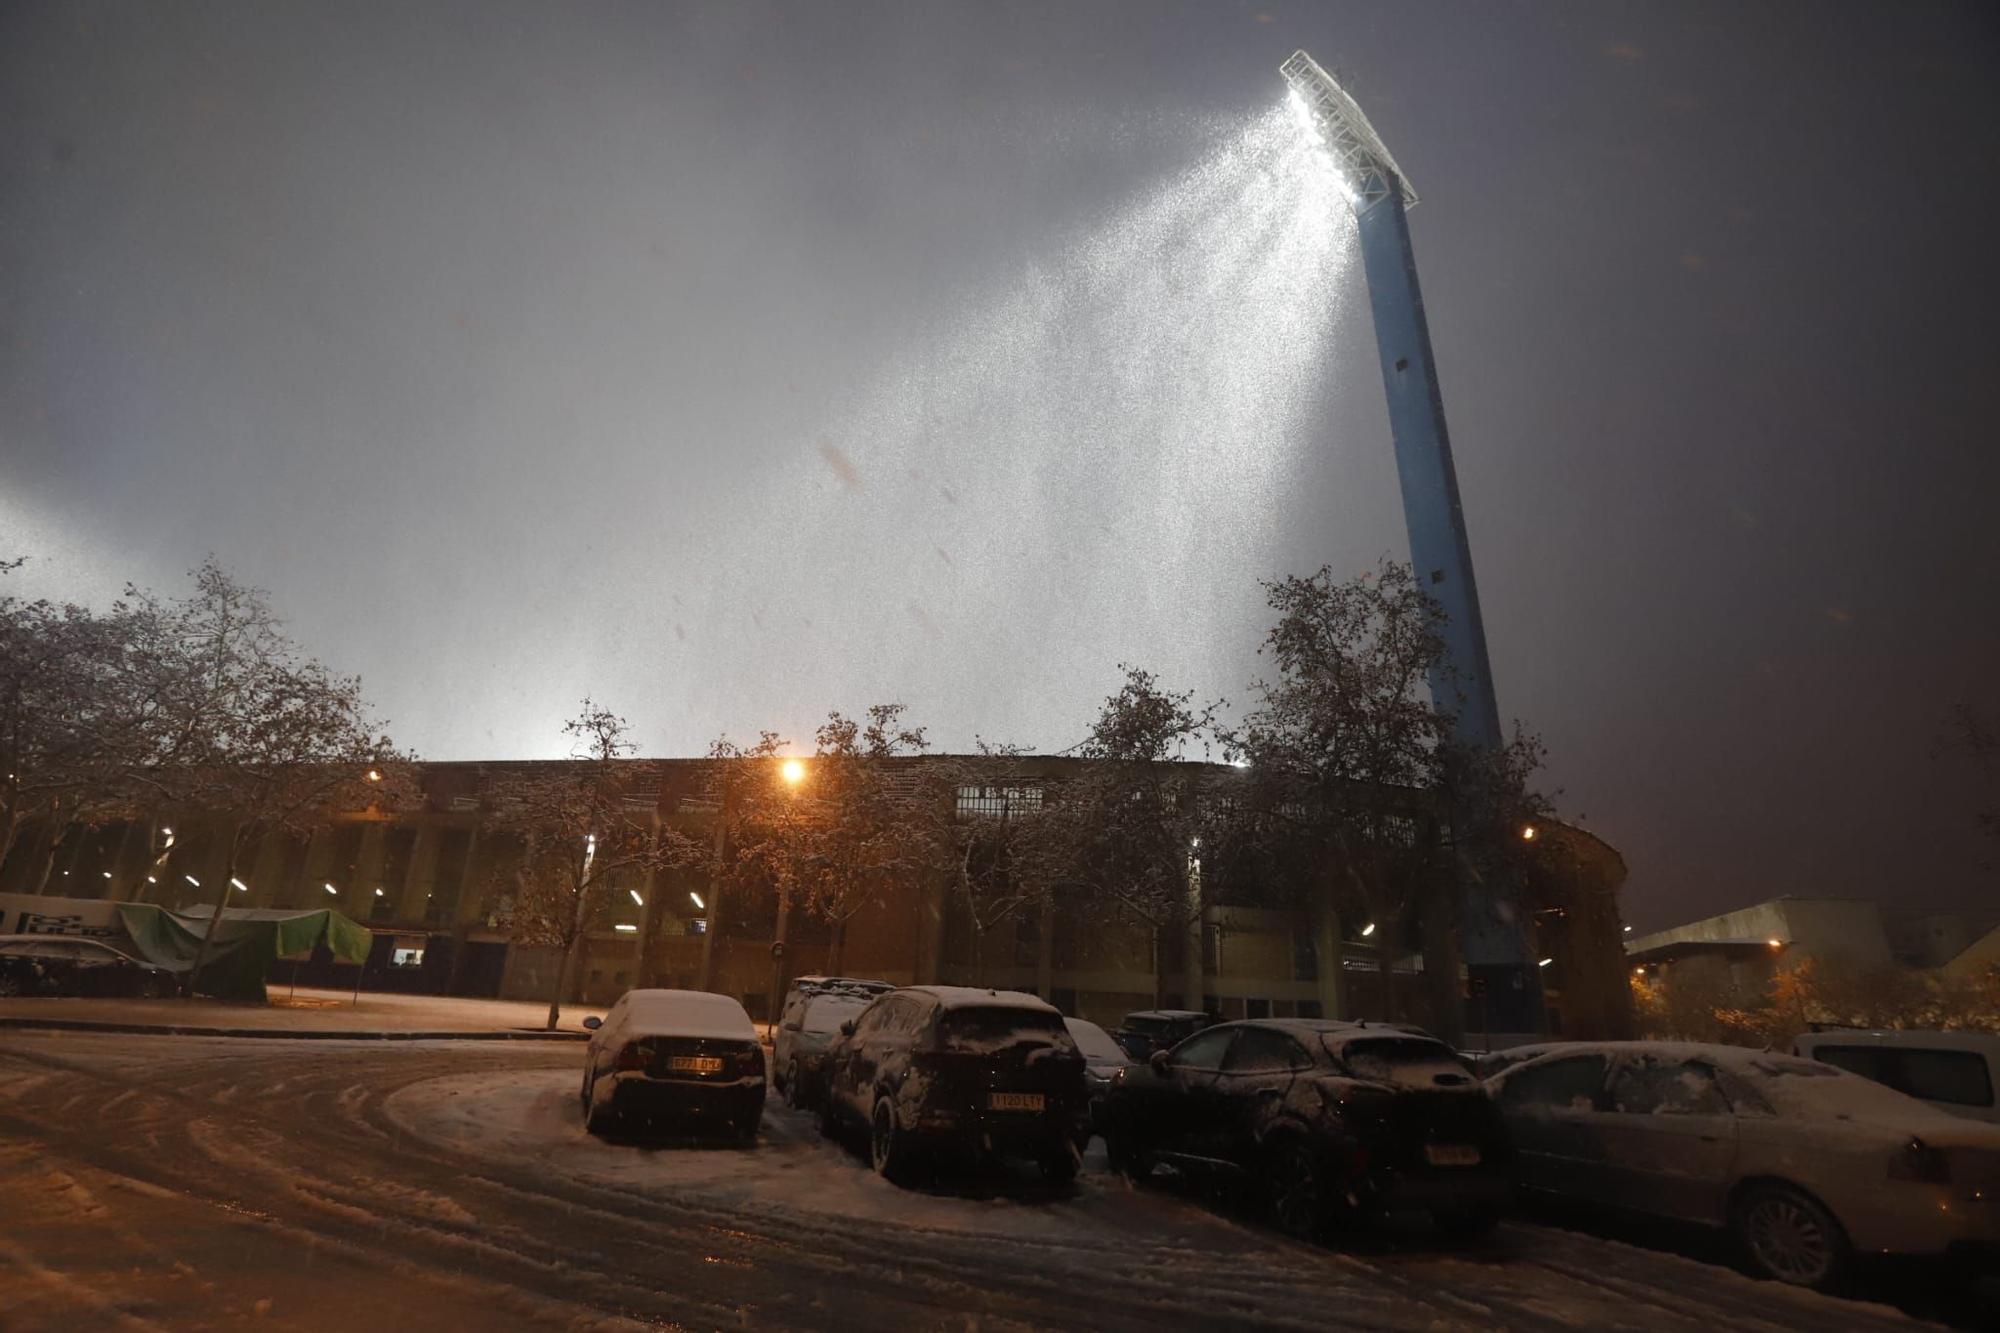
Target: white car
x=1953, y=1071
x=1804, y=1162
x=809, y=1025
x=687, y=1059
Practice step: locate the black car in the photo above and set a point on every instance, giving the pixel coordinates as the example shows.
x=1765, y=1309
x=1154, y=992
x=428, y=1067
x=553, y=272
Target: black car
x=1151, y=1030
x=1329, y=1118
x=72, y=965
x=957, y=1071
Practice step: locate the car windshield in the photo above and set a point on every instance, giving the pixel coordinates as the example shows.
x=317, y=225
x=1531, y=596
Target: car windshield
x=993, y=1027
x=1397, y=1059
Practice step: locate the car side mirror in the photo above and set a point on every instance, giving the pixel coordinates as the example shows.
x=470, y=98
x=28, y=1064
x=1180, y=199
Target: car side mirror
x=593, y=1023
x=847, y=1028
x=1158, y=1060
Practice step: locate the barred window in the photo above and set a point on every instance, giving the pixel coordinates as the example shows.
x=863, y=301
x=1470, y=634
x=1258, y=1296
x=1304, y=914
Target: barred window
x=984, y=802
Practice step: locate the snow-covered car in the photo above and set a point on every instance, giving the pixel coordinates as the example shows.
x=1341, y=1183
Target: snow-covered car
x=856, y=985
x=1104, y=1064
x=1953, y=1071
x=1805, y=1163
x=1149, y=1030
x=811, y=1021
x=1327, y=1117
x=688, y=1060
x=958, y=1071
x=71, y=965
x=1488, y=1063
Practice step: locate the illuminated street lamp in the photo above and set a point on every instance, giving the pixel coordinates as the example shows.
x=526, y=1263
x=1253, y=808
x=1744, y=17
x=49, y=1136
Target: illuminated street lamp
x=1528, y=833
x=793, y=771
x=1368, y=930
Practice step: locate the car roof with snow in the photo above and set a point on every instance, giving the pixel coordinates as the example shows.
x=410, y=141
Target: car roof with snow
x=1173, y=1014
x=686, y=1013
x=979, y=997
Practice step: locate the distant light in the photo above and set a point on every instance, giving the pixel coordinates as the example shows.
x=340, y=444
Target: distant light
x=107, y=874
x=1545, y=962
x=793, y=771
x=331, y=889
x=1195, y=843
x=192, y=880
x=164, y=829
x=65, y=872
x=378, y=893
x=697, y=900
x=1638, y=971
x=636, y=898
x=1628, y=930
x=1368, y=930
x=241, y=887
x=151, y=880
x=1528, y=833
x=622, y=926
x=374, y=775
x=1775, y=942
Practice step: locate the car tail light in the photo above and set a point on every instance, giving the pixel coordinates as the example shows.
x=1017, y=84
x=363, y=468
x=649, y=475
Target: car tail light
x=1919, y=1161
x=631, y=1057
x=750, y=1060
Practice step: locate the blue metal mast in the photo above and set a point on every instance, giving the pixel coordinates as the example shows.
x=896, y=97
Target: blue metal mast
x=1462, y=684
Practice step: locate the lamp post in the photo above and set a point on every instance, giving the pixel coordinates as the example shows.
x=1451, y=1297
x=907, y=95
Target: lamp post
x=1440, y=552
x=793, y=772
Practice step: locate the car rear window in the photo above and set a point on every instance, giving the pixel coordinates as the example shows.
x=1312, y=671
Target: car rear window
x=825, y=1013
x=1386, y=1058
x=995, y=1028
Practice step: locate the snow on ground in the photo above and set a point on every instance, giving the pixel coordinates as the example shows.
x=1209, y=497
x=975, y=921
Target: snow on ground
x=309, y=1010
x=535, y=1115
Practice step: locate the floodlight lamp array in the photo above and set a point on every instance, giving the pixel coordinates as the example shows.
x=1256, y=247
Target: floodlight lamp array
x=1367, y=171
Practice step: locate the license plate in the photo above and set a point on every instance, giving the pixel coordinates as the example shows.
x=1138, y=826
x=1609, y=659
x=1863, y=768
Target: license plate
x=1014, y=1101
x=1451, y=1154
x=695, y=1064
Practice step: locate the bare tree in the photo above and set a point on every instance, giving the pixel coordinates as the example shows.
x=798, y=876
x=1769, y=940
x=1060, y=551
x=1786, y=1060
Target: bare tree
x=233, y=718
x=1120, y=837
x=584, y=825
x=994, y=844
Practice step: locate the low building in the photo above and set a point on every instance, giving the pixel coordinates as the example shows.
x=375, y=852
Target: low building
x=434, y=883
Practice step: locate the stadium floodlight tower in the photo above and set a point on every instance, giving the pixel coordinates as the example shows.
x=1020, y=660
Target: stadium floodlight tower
x=1495, y=952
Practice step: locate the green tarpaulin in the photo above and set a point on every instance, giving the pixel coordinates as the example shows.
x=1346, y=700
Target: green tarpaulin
x=247, y=941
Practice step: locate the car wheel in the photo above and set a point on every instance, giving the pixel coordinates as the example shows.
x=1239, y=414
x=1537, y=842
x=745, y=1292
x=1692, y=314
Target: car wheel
x=792, y=1097
x=1463, y=1224
x=1059, y=1162
x=596, y=1119
x=1790, y=1237
x=886, y=1151
x=1298, y=1190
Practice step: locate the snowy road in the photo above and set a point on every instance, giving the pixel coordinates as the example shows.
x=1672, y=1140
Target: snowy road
x=152, y=1182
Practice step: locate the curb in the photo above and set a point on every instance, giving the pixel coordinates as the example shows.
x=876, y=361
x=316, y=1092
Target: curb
x=279, y=1034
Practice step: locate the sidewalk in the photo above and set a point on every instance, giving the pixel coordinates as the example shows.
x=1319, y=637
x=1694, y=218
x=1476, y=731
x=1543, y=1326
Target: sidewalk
x=309, y=1014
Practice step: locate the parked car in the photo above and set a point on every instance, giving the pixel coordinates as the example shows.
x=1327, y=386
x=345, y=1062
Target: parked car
x=1953, y=1071
x=1488, y=1063
x=811, y=1021
x=1151, y=1030
x=958, y=1072
x=689, y=1060
x=72, y=965
x=1805, y=1163
x=1328, y=1118
x=1104, y=1064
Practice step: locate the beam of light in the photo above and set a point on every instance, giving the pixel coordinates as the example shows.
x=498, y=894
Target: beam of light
x=1091, y=457
x=699, y=904
x=240, y=886
x=636, y=898
x=331, y=889
x=192, y=880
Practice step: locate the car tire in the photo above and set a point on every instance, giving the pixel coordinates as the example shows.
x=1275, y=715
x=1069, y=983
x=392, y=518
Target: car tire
x=1298, y=1189
x=887, y=1152
x=1466, y=1224
x=793, y=1096
x=1789, y=1237
x=596, y=1119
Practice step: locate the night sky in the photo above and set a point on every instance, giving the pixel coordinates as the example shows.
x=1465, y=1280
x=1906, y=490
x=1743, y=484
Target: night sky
x=736, y=362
